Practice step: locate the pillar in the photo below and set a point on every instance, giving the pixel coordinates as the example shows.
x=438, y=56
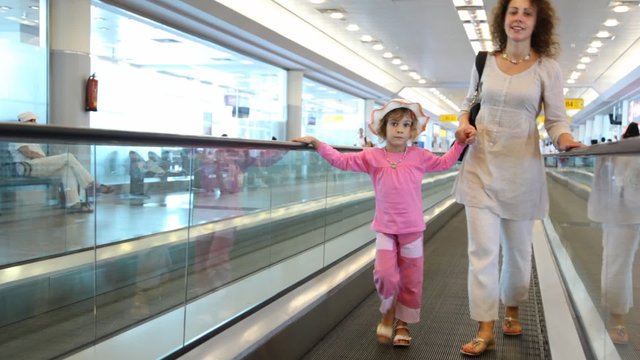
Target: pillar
x=294, y=104
x=69, y=61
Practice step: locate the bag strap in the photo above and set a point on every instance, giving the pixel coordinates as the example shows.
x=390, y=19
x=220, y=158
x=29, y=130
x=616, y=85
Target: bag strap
x=481, y=59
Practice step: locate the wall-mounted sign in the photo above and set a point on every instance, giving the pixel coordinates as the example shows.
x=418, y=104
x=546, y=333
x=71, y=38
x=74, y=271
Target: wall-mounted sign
x=448, y=117
x=574, y=104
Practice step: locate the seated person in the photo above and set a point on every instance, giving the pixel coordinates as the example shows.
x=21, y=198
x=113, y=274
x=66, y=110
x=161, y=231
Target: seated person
x=65, y=166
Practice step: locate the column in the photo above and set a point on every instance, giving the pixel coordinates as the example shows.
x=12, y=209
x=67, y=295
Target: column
x=294, y=104
x=70, y=65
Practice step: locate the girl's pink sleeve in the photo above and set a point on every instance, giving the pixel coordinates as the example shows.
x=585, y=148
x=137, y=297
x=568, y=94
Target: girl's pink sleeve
x=444, y=162
x=344, y=161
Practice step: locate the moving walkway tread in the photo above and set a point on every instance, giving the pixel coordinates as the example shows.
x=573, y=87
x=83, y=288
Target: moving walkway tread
x=445, y=323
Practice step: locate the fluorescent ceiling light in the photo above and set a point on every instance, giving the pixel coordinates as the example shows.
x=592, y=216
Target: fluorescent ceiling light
x=621, y=9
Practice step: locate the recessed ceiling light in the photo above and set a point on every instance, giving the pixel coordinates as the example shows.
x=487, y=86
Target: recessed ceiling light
x=404, y=67
x=611, y=22
x=396, y=61
x=603, y=34
x=581, y=66
x=353, y=27
x=377, y=46
x=5, y=8
x=585, y=59
x=596, y=44
x=592, y=50
x=422, y=81
x=387, y=55
x=571, y=81
x=316, y=1
x=366, y=38
x=621, y=8
x=336, y=15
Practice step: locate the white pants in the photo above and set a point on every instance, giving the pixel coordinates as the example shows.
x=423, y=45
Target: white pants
x=620, y=243
x=69, y=169
x=487, y=233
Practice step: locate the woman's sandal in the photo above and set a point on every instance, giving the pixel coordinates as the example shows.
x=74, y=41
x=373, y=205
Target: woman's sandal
x=79, y=208
x=511, y=326
x=383, y=333
x=402, y=340
x=619, y=335
x=105, y=189
x=478, y=346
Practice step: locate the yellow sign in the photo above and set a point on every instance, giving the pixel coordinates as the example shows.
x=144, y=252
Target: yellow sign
x=574, y=104
x=540, y=119
x=333, y=118
x=448, y=117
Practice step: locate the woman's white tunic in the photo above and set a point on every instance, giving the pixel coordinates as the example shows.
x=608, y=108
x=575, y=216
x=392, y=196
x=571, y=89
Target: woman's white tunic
x=503, y=170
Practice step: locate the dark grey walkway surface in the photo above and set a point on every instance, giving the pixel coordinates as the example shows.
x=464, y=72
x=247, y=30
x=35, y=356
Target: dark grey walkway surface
x=445, y=324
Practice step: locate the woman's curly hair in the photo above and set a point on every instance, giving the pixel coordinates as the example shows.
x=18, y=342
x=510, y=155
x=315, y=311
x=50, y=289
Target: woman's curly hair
x=543, y=39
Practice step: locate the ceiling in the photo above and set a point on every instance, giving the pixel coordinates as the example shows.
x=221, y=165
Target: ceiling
x=426, y=35
x=429, y=37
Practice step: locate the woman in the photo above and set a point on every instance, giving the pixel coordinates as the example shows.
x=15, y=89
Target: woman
x=502, y=181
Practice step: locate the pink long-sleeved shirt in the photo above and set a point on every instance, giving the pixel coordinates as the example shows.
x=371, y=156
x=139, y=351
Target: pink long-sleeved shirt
x=398, y=191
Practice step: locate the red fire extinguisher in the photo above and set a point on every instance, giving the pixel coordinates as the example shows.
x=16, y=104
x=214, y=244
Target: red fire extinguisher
x=91, y=103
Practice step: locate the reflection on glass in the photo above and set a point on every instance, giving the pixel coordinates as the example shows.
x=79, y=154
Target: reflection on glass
x=614, y=202
x=229, y=183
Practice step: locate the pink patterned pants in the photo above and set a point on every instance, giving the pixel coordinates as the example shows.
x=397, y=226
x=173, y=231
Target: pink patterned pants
x=398, y=273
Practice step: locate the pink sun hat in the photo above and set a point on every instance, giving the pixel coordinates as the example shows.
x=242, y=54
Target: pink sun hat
x=378, y=114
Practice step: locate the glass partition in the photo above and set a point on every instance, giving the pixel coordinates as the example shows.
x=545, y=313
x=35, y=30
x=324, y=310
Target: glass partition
x=171, y=240
x=594, y=222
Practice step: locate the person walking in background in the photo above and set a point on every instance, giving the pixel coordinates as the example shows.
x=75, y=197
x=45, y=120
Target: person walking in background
x=66, y=166
x=362, y=140
x=614, y=201
x=502, y=179
x=396, y=171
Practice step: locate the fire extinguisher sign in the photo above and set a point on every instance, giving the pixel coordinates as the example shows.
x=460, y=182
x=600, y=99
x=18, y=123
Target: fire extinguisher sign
x=91, y=103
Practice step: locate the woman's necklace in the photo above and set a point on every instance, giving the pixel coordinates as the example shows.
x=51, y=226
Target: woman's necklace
x=394, y=164
x=514, y=61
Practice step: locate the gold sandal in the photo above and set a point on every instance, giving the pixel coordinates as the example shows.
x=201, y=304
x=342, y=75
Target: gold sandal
x=511, y=326
x=402, y=340
x=478, y=346
x=619, y=335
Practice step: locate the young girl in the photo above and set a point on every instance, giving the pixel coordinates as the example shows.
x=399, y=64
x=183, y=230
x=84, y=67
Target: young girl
x=396, y=171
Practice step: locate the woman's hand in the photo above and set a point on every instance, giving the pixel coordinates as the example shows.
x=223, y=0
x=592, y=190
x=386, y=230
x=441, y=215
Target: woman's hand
x=307, y=140
x=566, y=142
x=465, y=134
